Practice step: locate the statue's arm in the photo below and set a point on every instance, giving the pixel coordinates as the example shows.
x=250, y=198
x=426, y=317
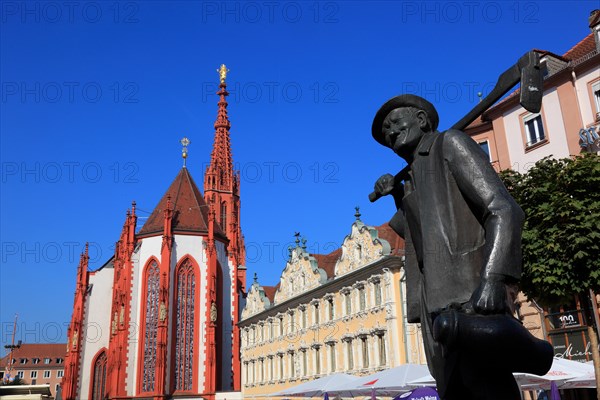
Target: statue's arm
x=498, y=213
x=388, y=185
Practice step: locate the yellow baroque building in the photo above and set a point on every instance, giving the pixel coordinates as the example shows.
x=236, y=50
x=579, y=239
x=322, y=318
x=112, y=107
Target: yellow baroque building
x=339, y=312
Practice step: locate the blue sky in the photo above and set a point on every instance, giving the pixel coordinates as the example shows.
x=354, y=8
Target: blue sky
x=96, y=95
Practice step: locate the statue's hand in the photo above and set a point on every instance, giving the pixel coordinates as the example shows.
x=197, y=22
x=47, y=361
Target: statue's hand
x=490, y=297
x=385, y=185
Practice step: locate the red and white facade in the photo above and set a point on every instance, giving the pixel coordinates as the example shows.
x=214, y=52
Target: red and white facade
x=159, y=319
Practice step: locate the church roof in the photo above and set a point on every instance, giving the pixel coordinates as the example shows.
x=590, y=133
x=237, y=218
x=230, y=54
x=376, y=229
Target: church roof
x=190, y=210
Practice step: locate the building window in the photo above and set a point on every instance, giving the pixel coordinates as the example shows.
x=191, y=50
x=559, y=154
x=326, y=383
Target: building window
x=365, y=351
x=316, y=311
x=303, y=316
x=596, y=94
x=59, y=360
x=304, y=363
x=33, y=374
x=99, y=377
x=331, y=309
x=47, y=360
x=262, y=370
x=224, y=216
x=362, y=298
x=271, y=368
x=317, y=361
x=349, y=354
x=23, y=361
x=332, y=357
x=281, y=366
x=485, y=146
x=534, y=129
x=46, y=374
x=185, y=295
x=292, y=325
x=271, y=330
x=60, y=373
x=381, y=345
x=35, y=361
x=358, y=252
x=292, y=365
x=348, y=301
x=281, y=325
x=21, y=374
x=150, y=326
x=377, y=289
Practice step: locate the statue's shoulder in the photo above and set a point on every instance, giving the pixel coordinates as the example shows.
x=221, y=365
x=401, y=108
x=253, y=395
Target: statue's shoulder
x=454, y=134
x=457, y=144
x=454, y=138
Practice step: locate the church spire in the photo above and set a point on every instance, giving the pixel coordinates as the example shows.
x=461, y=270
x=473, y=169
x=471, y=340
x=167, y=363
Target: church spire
x=219, y=174
x=221, y=182
x=222, y=195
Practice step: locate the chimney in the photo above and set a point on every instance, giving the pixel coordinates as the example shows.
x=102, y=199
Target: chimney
x=594, y=24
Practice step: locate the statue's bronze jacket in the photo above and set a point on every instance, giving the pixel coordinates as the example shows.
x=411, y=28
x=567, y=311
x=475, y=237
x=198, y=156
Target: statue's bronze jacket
x=459, y=223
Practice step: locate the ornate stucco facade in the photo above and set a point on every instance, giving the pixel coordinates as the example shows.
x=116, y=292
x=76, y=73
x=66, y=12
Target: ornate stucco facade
x=340, y=312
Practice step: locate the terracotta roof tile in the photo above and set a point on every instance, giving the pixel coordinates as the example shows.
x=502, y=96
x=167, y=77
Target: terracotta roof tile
x=270, y=292
x=191, y=212
x=477, y=123
x=29, y=351
x=327, y=261
x=581, y=49
x=396, y=242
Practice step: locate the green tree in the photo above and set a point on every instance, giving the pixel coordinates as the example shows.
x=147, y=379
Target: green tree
x=561, y=234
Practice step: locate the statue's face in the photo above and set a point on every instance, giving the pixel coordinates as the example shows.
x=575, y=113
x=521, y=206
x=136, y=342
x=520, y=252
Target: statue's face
x=403, y=130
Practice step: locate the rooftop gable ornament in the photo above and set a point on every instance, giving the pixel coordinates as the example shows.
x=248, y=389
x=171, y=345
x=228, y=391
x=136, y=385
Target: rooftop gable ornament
x=223, y=73
x=185, y=142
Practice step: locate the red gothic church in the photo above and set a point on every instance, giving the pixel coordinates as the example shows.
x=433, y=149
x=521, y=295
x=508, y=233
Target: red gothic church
x=174, y=289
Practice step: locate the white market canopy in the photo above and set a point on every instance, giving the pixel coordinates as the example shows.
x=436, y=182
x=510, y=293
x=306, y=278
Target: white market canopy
x=318, y=387
x=565, y=373
x=388, y=382
x=562, y=372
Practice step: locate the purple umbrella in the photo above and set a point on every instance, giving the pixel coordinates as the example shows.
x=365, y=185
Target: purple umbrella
x=554, y=395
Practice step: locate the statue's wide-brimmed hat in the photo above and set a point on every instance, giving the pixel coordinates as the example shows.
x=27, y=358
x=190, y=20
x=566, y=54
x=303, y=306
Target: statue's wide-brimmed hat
x=403, y=100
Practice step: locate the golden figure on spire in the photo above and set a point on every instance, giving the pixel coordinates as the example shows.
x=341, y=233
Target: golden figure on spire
x=223, y=72
x=185, y=142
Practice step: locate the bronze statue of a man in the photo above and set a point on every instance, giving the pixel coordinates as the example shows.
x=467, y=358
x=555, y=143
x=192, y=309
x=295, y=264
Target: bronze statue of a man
x=462, y=234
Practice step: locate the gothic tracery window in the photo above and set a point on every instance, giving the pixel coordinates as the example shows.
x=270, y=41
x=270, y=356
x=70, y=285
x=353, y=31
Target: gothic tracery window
x=150, y=326
x=224, y=216
x=184, y=326
x=99, y=377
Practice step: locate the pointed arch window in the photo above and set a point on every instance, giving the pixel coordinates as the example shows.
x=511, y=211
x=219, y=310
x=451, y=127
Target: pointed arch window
x=224, y=216
x=150, y=326
x=99, y=377
x=185, y=325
